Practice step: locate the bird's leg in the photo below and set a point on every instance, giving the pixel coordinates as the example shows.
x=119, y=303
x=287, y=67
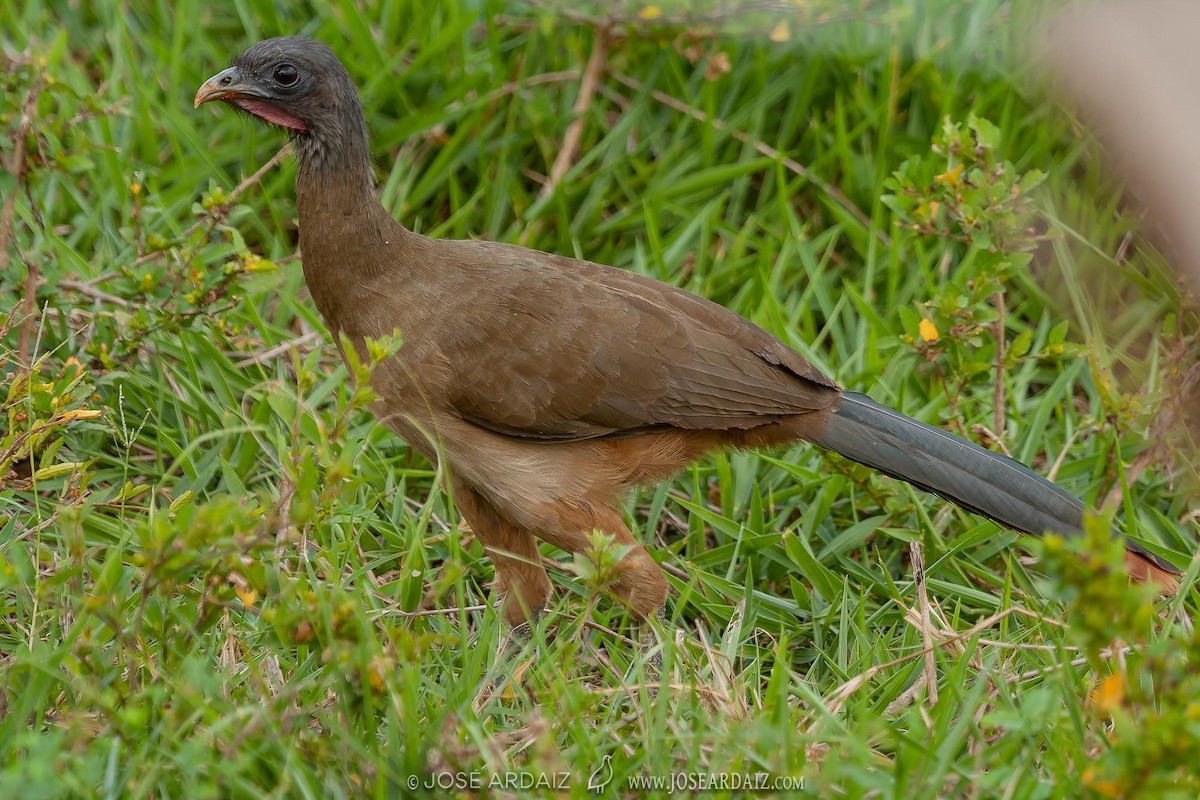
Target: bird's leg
x=524, y=632
x=643, y=587
x=652, y=642
x=521, y=581
x=641, y=584
x=511, y=647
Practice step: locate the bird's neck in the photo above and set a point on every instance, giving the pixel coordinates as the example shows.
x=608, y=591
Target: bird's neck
x=335, y=186
x=335, y=164
x=347, y=237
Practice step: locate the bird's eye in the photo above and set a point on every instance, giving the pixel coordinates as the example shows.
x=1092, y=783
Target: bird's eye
x=285, y=75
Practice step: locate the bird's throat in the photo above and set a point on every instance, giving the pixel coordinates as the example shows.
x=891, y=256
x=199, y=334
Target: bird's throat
x=271, y=113
x=335, y=162
x=344, y=229
x=343, y=226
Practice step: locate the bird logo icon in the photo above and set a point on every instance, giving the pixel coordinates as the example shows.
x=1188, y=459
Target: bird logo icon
x=600, y=778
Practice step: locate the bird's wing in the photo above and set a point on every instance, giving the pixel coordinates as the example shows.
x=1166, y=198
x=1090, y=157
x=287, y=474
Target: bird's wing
x=566, y=350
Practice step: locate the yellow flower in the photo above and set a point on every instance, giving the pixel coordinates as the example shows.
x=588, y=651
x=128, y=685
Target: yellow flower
x=246, y=595
x=927, y=330
x=78, y=414
x=1109, y=694
x=950, y=176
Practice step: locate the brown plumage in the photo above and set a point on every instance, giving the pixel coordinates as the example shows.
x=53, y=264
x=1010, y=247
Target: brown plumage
x=549, y=386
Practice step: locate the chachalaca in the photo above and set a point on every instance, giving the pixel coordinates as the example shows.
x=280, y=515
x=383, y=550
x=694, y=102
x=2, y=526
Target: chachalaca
x=549, y=386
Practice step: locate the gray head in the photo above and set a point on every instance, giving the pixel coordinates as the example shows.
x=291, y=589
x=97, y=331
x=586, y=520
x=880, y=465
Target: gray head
x=298, y=84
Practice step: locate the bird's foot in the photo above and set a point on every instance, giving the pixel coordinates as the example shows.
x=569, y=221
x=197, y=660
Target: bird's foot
x=514, y=656
x=650, y=649
x=651, y=646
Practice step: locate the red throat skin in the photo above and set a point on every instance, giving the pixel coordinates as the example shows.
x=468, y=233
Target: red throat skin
x=272, y=114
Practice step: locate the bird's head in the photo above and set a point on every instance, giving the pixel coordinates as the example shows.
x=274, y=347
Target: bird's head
x=297, y=84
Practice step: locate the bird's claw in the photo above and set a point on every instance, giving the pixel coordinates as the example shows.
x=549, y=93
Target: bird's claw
x=651, y=645
x=516, y=640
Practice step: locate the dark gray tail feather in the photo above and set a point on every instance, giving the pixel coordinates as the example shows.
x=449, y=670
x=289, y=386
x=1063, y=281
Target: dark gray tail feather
x=987, y=483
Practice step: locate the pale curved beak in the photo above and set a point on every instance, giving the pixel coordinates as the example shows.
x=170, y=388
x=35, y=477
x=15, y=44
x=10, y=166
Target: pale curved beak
x=225, y=85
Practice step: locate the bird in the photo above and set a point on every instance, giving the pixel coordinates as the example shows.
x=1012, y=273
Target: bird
x=547, y=387
x=601, y=776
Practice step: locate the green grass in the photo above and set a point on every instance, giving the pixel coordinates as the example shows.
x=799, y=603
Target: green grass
x=230, y=582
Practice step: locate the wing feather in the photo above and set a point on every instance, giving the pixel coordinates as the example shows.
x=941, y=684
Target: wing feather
x=591, y=351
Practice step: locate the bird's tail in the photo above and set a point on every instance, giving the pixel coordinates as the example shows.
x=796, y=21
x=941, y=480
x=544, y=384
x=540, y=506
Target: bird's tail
x=987, y=483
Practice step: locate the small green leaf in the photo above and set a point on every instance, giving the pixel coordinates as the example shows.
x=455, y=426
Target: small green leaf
x=1031, y=180
x=1020, y=345
x=1058, y=333
x=987, y=134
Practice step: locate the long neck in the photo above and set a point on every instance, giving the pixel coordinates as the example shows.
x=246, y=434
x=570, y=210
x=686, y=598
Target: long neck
x=344, y=230
x=335, y=162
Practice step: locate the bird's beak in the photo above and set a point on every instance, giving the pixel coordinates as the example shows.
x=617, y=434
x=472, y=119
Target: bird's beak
x=226, y=85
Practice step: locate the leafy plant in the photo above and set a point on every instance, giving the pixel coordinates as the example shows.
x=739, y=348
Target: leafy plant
x=980, y=206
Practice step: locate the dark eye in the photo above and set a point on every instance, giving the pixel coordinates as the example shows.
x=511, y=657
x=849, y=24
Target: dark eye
x=285, y=75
